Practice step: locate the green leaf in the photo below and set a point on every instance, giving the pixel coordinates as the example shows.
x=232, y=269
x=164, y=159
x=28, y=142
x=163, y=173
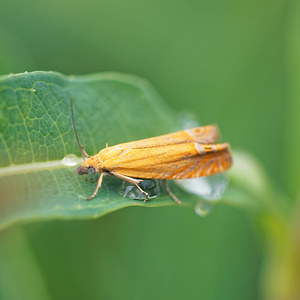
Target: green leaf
x=36, y=133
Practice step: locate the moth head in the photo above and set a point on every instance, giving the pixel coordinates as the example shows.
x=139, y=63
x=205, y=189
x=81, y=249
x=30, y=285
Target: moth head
x=89, y=166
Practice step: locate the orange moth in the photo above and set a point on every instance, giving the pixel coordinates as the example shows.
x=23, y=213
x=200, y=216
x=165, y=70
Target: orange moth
x=189, y=153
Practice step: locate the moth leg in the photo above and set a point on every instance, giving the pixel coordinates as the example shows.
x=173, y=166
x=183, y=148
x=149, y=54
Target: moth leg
x=132, y=181
x=143, y=192
x=97, y=187
x=170, y=193
x=126, y=178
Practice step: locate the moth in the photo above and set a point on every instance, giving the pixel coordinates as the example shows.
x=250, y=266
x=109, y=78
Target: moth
x=189, y=153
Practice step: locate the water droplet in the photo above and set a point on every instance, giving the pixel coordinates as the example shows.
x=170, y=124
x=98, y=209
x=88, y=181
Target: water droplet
x=152, y=187
x=71, y=160
x=203, y=208
x=33, y=90
x=210, y=188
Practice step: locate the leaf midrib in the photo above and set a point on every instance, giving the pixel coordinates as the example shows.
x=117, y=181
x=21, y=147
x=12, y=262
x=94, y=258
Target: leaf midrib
x=32, y=167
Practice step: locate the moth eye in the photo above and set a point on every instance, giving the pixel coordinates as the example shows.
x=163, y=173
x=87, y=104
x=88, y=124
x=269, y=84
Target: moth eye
x=91, y=170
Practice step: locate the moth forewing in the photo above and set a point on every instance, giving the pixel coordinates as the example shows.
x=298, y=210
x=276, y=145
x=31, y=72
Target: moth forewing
x=204, y=135
x=181, y=161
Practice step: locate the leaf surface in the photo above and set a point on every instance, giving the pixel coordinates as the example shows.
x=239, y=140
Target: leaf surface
x=36, y=133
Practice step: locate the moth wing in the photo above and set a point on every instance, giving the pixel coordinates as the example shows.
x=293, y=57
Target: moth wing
x=180, y=161
x=208, y=134
x=203, y=135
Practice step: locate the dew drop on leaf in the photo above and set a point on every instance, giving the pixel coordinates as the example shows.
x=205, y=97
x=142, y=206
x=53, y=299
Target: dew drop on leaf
x=152, y=187
x=203, y=208
x=71, y=160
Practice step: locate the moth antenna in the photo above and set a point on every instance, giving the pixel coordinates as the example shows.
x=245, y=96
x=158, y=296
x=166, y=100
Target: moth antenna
x=82, y=150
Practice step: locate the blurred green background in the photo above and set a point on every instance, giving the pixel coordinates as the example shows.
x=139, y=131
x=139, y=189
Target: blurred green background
x=229, y=62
